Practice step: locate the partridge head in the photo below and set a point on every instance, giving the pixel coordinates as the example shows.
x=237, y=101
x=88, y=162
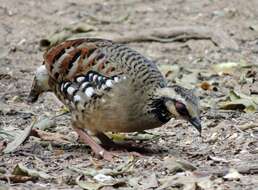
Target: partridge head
x=40, y=84
x=182, y=103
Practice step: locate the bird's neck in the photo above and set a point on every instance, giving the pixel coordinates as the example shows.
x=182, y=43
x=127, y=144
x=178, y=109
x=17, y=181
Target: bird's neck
x=159, y=109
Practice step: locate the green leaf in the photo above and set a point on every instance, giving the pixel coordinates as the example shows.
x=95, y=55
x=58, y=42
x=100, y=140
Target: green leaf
x=118, y=137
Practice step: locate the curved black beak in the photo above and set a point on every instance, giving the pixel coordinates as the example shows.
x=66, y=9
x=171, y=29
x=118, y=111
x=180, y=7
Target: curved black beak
x=196, y=122
x=34, y=92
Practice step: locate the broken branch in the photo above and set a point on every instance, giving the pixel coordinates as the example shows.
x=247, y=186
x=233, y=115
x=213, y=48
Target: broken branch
x=180, y=33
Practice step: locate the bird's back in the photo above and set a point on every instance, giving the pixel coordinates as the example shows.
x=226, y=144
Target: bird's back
x=75, y=57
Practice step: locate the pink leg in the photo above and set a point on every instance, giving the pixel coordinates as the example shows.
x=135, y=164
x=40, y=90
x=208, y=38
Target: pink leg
x=96, y=148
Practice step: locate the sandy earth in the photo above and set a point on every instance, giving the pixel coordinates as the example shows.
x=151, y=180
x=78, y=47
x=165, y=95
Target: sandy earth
x=223, y=144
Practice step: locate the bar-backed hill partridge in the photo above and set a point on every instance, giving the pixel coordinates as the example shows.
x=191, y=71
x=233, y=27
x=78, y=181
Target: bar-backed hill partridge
x=111, y=87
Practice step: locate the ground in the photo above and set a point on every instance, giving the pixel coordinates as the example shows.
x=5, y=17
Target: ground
x=224, y=157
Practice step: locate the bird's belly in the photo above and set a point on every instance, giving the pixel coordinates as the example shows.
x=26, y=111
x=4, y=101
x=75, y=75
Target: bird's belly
x=116, y=122
x=122, y=109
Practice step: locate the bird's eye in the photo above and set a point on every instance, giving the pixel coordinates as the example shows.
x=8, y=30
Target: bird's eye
x=181, y=109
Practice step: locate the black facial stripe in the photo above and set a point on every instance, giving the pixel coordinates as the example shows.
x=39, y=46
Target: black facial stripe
x=160, y=110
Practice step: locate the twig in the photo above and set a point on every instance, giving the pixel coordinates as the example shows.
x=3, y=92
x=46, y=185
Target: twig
x=180, y=33
x=247, y=126
x=16, y=178
x=220, y=173
x=47, y=136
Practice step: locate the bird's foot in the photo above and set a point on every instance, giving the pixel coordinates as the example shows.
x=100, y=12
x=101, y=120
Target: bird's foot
x=96, y=148
x=118, y=148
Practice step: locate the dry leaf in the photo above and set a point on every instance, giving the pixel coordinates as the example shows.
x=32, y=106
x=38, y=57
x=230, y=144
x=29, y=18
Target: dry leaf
x=206, y=85
x=240, y=101
x=227, y=67
x=22, y=170
x=177, y=165
x=247, y=126
x=15, y=178
x=19, y=139
x=169, y=71
x=142, y=136
x=121, y=169
x=218, y=159
x=44, y=123
x=47, y=136
x=254, y=27
x=186, y=181
x=149, y=182
x=90, y=185
x=6, y=135
x=4, y=108
x=103, y=178
x=233, y=174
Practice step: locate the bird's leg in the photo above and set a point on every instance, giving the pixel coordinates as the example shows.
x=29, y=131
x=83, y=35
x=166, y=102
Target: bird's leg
x=96, y=148
x=106, y=141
